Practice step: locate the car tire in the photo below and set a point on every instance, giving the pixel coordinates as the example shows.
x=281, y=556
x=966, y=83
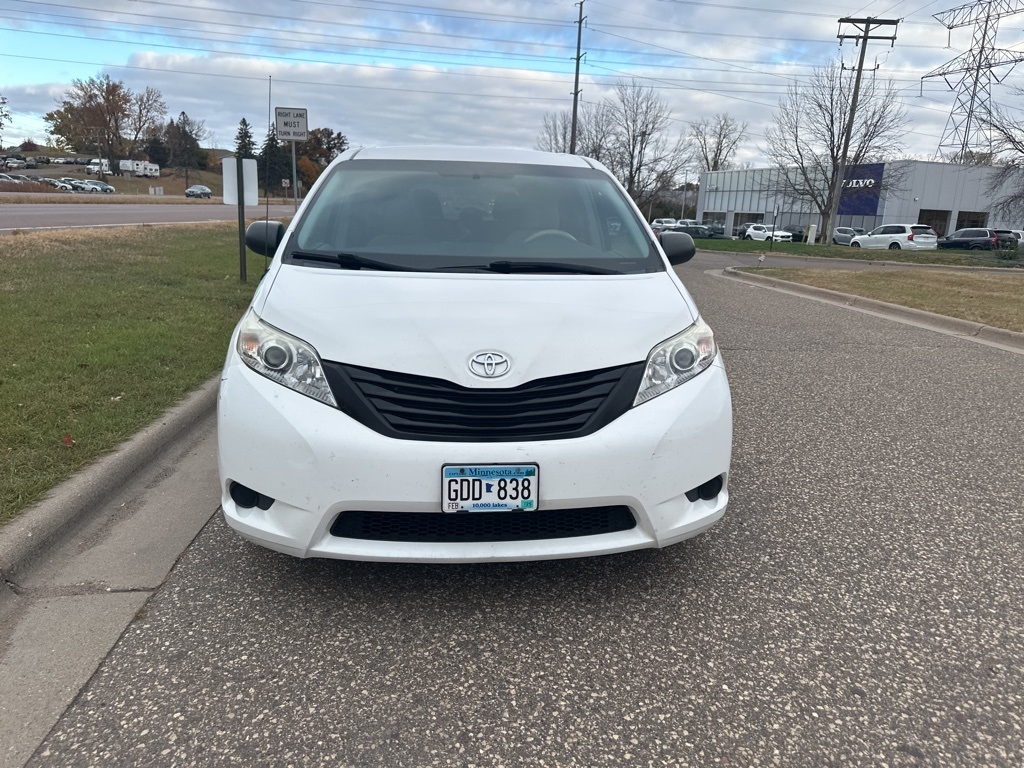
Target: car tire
x=894, y=246
x=834, y=241
x=975, y=247
x=747, y=237
x=855, y=245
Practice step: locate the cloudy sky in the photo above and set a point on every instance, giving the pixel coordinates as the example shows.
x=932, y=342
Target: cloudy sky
x=455, y=71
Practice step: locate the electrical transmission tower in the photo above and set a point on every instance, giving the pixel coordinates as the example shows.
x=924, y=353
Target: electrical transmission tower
x=968, y=133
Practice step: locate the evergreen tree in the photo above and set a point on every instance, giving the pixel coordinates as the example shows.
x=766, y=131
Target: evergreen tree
x=157, y=150
x=245, y=145
x=183, y=140
x=275, y=163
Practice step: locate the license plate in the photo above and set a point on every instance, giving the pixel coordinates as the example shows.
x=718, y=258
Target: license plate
x=489, y=487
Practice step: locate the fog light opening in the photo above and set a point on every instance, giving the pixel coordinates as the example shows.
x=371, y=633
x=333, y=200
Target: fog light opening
x=246, y=498
x=710, y=489
x=706, y=491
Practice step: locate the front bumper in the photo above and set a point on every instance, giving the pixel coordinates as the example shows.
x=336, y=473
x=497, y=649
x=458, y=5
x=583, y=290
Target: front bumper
x=316, y=462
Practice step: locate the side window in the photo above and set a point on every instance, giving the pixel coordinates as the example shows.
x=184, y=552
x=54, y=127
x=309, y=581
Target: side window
x=895, y=229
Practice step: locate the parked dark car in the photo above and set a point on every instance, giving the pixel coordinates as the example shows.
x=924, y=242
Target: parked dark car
x=978, y=240
x=693, y=230
x=198, y=190
x=76, y=185
x=796, y=230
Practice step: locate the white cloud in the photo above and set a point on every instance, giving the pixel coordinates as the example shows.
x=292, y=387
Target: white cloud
x=454, y=71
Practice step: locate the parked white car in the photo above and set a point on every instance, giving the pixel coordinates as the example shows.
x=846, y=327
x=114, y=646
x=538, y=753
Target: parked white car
x=386, y=397
x=920, y=237
x=765, y=232
x=660, y=224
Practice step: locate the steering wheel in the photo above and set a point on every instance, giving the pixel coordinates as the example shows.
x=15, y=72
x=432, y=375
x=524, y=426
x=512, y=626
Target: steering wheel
x=549, y=233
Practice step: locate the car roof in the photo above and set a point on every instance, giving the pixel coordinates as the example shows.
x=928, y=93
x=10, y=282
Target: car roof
x=471, y=154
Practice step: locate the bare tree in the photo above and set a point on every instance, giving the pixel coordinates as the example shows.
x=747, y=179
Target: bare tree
x=805, y=138
x=5, y=115
x=556, y=132
x=146, y=111
x=628, y=133
x=715, y=141
x=1007, y=183
x=595, y=131
x=644, y=158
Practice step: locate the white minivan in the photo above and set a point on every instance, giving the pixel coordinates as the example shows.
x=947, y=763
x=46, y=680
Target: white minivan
x=464, y=355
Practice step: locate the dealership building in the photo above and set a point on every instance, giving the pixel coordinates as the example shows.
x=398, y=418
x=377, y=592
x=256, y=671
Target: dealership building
x=945, y=196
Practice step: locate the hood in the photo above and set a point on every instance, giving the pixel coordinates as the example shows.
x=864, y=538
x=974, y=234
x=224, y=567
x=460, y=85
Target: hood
x=433, y=324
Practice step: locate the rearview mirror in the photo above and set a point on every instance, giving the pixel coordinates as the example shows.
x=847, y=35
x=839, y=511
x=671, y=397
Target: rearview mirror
x=678, y=247
x=263, y=237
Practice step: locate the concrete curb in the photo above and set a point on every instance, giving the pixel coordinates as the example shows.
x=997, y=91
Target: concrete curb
x=26, y=537
x=877, y=262
x=952, y=325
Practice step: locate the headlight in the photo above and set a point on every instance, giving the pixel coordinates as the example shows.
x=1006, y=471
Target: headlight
x=285, y=359
x=677, y=360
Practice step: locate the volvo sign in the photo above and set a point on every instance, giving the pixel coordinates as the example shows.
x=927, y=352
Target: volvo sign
x=862, y=189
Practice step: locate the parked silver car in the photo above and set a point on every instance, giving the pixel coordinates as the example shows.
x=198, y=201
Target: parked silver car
x=843, y=235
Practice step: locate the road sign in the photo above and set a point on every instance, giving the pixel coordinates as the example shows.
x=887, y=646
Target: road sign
x=291, y=124
x=286, y=183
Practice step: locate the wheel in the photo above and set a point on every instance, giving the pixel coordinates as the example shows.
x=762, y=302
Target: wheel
x=855, y=244
x=549, y=233
x=834, y=241
x=975, y=247
x=747, y=237
x=894, y=246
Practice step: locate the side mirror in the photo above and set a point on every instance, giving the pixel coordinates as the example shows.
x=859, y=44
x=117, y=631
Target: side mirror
x=678, y=247
x=263, y=237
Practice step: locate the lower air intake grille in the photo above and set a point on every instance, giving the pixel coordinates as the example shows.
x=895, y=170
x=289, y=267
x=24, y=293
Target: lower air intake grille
x=439, y=527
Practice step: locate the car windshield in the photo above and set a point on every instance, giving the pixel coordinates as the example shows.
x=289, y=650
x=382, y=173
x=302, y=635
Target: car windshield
x=469, y=216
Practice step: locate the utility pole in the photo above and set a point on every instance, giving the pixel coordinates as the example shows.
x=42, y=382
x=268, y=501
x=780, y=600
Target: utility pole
x=576, y=83
x=865, y=27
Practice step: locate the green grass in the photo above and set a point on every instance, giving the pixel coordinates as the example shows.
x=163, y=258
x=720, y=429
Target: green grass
x=943, y=257
x=992, y=298
x=103, y=331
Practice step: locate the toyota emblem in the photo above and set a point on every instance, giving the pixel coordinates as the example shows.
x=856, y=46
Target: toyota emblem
x=490, y=365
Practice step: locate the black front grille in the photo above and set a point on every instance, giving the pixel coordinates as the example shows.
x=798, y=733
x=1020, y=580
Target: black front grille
x=422, y=408
x=439, y=527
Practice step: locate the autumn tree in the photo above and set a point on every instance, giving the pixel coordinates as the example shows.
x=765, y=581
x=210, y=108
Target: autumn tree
x=245, y=144
x=714, y=141
x=805, y=137
x=309, y=171
x=322, y=145
x=103, y=115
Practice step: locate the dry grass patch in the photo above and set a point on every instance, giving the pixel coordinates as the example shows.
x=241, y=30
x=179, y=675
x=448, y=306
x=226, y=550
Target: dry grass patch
x=990, y=298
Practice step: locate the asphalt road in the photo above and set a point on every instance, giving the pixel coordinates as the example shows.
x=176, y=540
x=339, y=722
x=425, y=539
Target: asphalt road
x=29, y=216
x=861, y=604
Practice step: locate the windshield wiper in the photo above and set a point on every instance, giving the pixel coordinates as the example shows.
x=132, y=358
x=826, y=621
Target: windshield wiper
x=351, y=261
x=508, y=267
